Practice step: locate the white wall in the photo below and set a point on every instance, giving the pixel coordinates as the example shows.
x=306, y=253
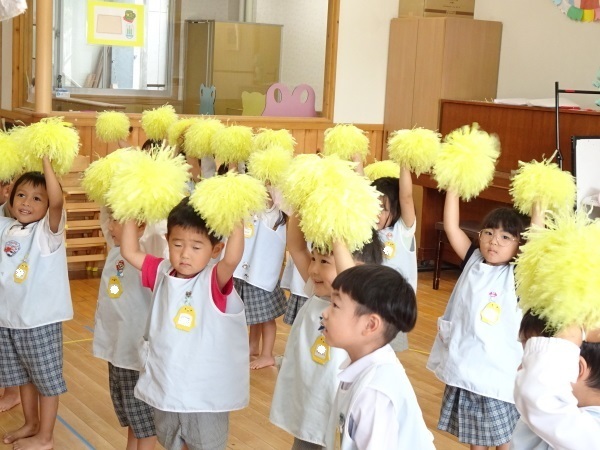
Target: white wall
x=540, y=45
x=362, y=60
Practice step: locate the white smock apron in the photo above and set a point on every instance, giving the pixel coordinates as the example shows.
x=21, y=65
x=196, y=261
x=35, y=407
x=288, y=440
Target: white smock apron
x=34, y=286
x=196, y=357
x=121, y=314
x=307, y=380
x=395, y=253
x=388, y=377
x=264, y=250
x=477, y=346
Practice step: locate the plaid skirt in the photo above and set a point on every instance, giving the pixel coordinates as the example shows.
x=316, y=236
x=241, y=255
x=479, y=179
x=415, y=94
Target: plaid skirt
x=130, y=411
x=294, y=303
x=475, y=419
x=261, y=306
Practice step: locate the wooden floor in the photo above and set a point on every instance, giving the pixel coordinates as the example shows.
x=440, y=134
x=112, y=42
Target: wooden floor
x=87, y=420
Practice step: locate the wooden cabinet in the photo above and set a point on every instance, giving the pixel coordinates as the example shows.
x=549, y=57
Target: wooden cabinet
x=434, y=58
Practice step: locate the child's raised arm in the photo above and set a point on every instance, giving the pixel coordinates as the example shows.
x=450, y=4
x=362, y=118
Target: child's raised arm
x=296, y=245
x=55, y=196
x=458, y=239
x=407, y=203
x=537, y=215
x=232, y=257
x=342, y=257
x=130, y=245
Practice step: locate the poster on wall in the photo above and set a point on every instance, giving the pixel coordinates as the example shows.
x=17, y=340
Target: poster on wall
x=117, y=24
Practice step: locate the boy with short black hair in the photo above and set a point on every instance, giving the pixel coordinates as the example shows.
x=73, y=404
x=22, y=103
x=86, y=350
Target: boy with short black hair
x=195, y=350
x=375, y=406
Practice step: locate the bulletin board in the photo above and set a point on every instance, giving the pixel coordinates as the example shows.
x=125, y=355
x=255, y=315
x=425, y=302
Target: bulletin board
x=117, y=24
x=586, y=169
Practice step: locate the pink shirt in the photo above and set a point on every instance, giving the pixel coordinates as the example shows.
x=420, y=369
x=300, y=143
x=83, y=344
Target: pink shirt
x=150, y=271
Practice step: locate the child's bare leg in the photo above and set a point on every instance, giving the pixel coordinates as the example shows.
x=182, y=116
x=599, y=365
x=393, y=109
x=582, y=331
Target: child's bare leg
x=29, y=402
x=477, y=447
x=503, y=446
x=254, y=339
x=10, y=398
x=134, y=443
x=43, y=439
x=269, y=330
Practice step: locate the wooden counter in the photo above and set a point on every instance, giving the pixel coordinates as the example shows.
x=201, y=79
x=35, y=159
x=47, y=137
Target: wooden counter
x=525, y=133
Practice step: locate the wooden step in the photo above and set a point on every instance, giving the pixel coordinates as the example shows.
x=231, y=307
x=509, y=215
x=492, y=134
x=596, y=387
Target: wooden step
x=81, y=207
x=73, y=190
x=83, y=225
x=86, y=258
x=91, y=242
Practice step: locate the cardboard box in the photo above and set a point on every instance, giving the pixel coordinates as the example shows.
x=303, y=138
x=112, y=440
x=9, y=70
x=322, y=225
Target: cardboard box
x=437, y=8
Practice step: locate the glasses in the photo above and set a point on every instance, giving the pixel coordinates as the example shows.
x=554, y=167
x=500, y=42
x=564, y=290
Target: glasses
x=502, y=238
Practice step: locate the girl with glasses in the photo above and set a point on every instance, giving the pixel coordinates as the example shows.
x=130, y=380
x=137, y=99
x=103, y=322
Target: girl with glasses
x=476, y=351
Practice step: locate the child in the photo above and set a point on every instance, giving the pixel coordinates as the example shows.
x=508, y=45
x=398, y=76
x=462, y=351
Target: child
x=397, y=225
x=557, y=390
x=10, y=398
x=476, y=351
x=256, y=279
x=375, y=406
x=293, y=282
x=306, y=383
x=35, y=301
x=121, y=316
x=195, y=350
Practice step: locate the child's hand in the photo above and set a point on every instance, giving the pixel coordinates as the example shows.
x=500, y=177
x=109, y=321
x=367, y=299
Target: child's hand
x=593, y=335
x=573, y=333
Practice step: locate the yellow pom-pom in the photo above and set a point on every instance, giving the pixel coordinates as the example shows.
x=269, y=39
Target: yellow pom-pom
x=309, y=171
x=545, y=183
x=270, y=165
x=232, y=144
x=266, y=138
x=50, y=137
x=346, y=210
x=382, y=169
x=415, y=149
x=224, y=201
x=466, y=161
x=12, y=164
x=112, y=126
x=557, y=271
x=346, y=141
x=148, y=185
x=198, y=137
x=98, y=177
x=177, y=130
x=156, y=122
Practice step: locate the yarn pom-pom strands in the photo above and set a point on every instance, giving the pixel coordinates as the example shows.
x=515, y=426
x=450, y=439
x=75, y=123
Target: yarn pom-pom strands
x=270, y=165
x=232, y=144
x=156, y=122
x=557, y=271
x=112, y=126
x=543, y=182
x=198, y=137
x=98, y=177
x=12, y=164
x=381, y=169
x=52, y=138
x=267, y=138
x=346, y=141
x=177, y=130
x=226, y=200
x=466, y=161
x=416, y=149
x=148, y=185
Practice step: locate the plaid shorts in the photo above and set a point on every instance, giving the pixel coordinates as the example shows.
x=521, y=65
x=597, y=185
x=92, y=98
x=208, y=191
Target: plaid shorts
x=130, y=411
x=475, y=419
x=294, y=303
x=33, y=355
x=261, y=306
x=199, y=431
